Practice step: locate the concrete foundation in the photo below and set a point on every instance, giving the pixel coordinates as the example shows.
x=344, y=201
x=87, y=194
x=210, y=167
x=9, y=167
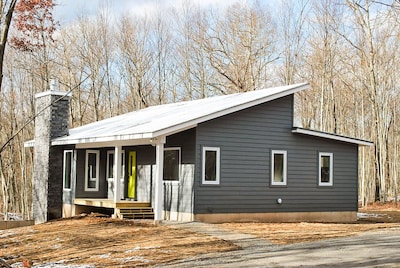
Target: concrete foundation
x=340, y=216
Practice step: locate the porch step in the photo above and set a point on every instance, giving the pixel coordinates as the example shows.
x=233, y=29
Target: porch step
x=136, y=213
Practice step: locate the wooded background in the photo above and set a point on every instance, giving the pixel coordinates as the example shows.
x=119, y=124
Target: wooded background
x=347, y=50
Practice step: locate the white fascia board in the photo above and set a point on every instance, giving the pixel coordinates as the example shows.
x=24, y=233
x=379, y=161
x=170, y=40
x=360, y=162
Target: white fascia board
x=332, y=136
x=196, y=121
x=135, y=142
x=174, y=129
x=106, y=139
x=53, y=92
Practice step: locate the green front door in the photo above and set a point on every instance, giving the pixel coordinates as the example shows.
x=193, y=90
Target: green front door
x=132, y=175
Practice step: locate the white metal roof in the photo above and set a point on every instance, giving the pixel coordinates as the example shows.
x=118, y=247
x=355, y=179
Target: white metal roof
x=331, y=136
x=162, y=120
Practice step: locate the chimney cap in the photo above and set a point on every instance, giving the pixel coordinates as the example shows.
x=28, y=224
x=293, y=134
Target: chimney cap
x=53, y=85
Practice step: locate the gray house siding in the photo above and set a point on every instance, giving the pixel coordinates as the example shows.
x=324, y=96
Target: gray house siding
x=178, y=197
x=145, y=159
x=246, y=139
x=80, y=176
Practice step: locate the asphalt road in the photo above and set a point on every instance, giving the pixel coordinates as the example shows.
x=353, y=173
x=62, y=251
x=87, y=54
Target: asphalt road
x=370, y=249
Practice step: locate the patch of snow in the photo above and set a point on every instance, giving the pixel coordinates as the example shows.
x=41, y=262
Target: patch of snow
x=103, y=256
x=12, y=216
x=15, y=217
x=139, y=248
x=133, y=258
x=58, y=264
x=362, y=215
x=151, y=247
x=6, y=234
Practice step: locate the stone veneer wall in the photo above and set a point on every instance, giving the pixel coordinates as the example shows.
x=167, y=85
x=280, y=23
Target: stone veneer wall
x=51, y=123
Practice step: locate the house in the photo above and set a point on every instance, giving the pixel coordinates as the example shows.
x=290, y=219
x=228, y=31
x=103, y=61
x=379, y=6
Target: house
x=235, y=157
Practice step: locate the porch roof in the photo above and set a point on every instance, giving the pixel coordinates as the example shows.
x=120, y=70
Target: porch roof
x=143, y=126
x=331, y=136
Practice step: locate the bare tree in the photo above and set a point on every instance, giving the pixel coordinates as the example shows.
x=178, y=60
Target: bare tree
x=292, y=28
x=136, y=59
x=240, y=48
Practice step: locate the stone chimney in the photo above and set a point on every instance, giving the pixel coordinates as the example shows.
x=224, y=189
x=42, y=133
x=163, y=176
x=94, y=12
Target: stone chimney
x=50, y=123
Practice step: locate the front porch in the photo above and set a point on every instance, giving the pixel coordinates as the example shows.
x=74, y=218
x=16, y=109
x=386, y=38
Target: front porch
x=123, y=209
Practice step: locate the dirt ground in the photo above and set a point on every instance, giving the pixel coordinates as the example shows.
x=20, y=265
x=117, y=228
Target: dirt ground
x=92, y=241
x=373, y=217
x=103, y=242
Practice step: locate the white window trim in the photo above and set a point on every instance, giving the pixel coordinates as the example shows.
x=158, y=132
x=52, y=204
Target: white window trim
x=218, y=159
x=122, y=164
x=96, y=179
x=330, y=183
x=64, y=162
x=273, y=152
x=179, y=164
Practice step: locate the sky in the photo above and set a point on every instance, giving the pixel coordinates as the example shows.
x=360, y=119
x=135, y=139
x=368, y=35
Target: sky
x=67, y=11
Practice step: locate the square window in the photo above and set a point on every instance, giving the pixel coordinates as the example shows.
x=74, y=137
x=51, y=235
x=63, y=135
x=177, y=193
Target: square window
x=211, y=165
x=325, y=177
x=278, y=167
x=172, y=161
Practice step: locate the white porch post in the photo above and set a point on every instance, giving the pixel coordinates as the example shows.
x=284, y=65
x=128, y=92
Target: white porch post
x=73, y=182
x=159, y=191
x=117, y=173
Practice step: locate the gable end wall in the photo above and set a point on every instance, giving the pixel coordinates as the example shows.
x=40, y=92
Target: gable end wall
x=246, y=139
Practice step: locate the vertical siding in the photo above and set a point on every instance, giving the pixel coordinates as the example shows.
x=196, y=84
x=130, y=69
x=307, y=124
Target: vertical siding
x=145, y=160
x=178, y=197
x=246, y=139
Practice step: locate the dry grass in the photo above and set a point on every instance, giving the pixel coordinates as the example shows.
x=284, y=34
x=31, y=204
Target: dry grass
x=376, y=216
x=105, y=242
x=289, y=233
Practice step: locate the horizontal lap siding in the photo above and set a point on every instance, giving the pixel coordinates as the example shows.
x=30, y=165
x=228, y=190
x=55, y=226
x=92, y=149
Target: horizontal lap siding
x=246, y=139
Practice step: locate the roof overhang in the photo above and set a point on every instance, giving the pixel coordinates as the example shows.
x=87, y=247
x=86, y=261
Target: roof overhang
x=194, y=122
x=158, y=129
x=331, y=136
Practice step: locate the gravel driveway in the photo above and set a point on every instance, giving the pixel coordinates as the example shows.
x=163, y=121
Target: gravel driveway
x=370, y=249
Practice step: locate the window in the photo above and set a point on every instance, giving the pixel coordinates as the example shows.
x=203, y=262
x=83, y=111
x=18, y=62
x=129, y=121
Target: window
x=110, y=164
x=278, y=167
x=325, y=169
x=67, y=170
x=92, y=170
x=172, y=161
x=211, y=165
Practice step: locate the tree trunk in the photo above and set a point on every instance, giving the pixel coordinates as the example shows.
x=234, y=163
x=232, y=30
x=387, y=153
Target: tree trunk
x=4, y=37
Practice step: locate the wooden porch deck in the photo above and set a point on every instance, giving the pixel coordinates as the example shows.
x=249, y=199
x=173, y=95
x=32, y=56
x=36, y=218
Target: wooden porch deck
x=122, y=209
x=107, y=203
